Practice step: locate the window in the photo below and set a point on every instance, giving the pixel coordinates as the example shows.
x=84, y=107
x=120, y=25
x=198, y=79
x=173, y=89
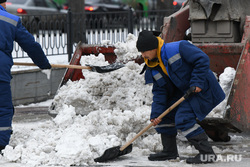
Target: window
x=40, y=3
x=50, y=4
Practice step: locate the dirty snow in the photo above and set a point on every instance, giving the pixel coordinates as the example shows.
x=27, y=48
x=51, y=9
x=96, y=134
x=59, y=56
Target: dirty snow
x=113, y=106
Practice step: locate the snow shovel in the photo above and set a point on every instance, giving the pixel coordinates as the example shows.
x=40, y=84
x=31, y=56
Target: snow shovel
x=99, y=69
x=117, y=151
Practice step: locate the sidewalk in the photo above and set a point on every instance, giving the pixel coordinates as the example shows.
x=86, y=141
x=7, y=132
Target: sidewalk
x=31, y=85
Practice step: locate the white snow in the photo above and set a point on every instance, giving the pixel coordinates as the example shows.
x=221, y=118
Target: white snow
x=127, y=51
x=225, y=80
x=113, y=108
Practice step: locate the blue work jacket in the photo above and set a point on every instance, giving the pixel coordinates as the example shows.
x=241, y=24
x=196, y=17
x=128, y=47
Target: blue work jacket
x=11, y=30
x=186, y=66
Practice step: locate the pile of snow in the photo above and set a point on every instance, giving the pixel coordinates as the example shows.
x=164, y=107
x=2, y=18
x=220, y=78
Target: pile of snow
x=73, y=139
x=122, y=89
x=225, y=81
x=116, y=106
x=113, y=107
x=127, y=51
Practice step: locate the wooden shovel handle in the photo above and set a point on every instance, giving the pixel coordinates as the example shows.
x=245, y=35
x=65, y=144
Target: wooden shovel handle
x=55, y=65
x=151, y=124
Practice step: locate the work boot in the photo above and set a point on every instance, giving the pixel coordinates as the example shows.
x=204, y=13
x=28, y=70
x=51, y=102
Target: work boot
x=169, y=149
x=206, y=153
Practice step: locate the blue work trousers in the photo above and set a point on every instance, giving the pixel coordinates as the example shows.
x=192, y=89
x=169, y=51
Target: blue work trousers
x=184, y=120
x=6, y=113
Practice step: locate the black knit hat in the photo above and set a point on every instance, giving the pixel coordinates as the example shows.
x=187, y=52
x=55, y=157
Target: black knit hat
x=146, y=41
x=2, y=1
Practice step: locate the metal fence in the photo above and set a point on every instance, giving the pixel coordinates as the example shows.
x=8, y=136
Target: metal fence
x=58, y=34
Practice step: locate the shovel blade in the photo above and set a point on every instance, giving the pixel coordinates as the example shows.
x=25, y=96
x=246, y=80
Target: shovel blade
x=113, y=153
x=108, y=68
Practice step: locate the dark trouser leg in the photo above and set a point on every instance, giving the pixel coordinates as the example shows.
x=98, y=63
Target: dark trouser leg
x=168, y=133
x=186, y=122
x=6, y=114
x=1, y=148
x=169, y=149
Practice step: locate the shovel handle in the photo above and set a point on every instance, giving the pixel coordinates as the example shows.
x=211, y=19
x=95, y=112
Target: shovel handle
x=55, y=65
x=151, y=124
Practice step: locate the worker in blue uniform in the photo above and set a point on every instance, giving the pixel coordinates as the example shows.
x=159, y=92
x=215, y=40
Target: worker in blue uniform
x=174, y=68
x=11, y=30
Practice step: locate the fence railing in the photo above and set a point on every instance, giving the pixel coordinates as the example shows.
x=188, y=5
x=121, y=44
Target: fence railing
x=59, y=33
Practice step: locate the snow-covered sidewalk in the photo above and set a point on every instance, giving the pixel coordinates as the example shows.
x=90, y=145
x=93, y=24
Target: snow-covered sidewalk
x=233, y=153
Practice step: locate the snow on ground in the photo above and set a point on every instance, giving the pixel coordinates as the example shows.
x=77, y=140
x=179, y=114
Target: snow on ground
x=113, y=107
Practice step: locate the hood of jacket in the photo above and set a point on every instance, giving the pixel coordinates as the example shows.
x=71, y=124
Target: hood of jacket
x=159, y=62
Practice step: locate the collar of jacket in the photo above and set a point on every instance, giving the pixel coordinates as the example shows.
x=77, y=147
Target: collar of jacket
x=2, y=8
x=152, y=64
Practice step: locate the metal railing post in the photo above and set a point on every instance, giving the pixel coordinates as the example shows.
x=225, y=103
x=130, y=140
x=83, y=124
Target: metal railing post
x=69, y=34
x=130, y=21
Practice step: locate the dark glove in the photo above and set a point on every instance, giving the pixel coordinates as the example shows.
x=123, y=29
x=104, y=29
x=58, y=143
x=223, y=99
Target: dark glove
x=189, y=92
x=48, y=67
